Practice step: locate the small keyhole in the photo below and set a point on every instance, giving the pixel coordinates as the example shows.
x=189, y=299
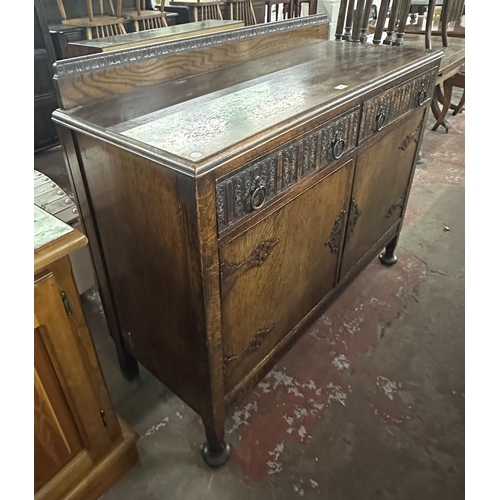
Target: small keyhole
x=104, y=418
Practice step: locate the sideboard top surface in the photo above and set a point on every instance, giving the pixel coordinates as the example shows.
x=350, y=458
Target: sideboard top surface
x=196, y=119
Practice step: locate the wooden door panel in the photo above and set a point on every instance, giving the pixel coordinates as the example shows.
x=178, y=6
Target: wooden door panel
x=276, y=272
x=380, y=189
x=65, y=347
x=56, y=439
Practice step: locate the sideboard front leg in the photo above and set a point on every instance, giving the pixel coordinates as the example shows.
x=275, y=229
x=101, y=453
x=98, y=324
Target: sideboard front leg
x=388, y=258
x=215, y=451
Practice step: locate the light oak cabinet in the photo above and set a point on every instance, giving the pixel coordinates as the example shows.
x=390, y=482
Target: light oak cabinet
x=80, y=445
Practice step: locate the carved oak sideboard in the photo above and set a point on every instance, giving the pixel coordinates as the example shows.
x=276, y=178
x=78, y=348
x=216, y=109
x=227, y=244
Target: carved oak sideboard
x=231, y=186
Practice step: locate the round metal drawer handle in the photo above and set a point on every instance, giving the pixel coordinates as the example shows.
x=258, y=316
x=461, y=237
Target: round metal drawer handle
x=338, y=147
x=259, y=195
x=421, y=97
x=380, y=120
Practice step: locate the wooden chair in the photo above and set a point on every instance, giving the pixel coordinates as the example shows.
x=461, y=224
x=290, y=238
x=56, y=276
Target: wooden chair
x=242, y=10
x=352, y=26
x=146, y=19
x=201, y=10
x=312, y=4
x=287, y=9
x=97, y=26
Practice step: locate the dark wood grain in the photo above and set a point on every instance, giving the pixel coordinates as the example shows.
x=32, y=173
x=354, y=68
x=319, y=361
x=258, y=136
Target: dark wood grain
x=206, y=286
x=155, y=267
x=86, y=88
x=299, y=233
x=381, y=180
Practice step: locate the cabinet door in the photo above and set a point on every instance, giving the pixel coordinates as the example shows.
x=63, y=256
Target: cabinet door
x=57, y=439
x=277, y=271
x=380, y=188
x=72, y=407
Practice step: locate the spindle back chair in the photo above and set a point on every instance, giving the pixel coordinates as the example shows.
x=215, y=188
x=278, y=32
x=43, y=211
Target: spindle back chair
x=147, y=19
x=392, y=20
x=100, y=25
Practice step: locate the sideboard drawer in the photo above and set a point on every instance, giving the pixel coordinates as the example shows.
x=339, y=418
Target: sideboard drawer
x=273, y=274
x=383, y=109
x=252, y=186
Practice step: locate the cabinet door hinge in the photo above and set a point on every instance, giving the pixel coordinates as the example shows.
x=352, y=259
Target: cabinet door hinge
x=104, y=418
x=66, y=304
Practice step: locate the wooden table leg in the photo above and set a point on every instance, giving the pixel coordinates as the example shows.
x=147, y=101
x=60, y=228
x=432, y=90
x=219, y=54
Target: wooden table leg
x=460, y=106
x=448, y=89
x=437, y=112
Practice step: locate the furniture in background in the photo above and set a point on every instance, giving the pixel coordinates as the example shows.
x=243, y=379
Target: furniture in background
x=200, y=10
x=150, y=37
x=286, y=7
x=81, y=447
x=352, y=26
x=45, y=100
x=144, y=19
x=96, y=26
x=247, y=214
x=312, y=7
x=53, y=199
x=241, y=10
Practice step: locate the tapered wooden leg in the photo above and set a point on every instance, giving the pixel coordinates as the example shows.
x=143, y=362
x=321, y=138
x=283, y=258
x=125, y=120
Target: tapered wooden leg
x=448, y=88
x=388, y=258
x=128, y=364
x=215, y=451
x=437, y=112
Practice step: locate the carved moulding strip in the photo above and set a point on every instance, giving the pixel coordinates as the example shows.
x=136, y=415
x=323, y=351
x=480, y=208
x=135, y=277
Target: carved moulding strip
x=297, y=160
x=334, y=240
x=254, y=344
x=231, y=272
x=354, y=213
x=87, y=64
x=396, y=102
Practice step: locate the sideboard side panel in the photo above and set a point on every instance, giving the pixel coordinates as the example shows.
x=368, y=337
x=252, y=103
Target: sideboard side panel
x=146, y=223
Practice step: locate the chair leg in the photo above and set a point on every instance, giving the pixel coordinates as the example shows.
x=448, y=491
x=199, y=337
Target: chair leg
x=440, y=115
x=460, y=105
x=440, y=97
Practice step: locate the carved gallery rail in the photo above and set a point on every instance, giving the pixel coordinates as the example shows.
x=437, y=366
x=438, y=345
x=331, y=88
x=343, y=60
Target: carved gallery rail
x=223, y=220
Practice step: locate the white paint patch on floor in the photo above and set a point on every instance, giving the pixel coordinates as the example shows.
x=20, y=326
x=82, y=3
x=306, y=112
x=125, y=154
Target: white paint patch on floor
x=274, y=466
x=241, y=417
x=156, y=427
x=390, y=387
x=341, y=362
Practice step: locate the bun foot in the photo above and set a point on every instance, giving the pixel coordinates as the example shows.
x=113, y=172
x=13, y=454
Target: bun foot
x=388, y=260
x=215, y=459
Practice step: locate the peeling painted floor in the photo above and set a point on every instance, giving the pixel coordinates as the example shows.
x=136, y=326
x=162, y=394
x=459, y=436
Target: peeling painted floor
x=369, y=404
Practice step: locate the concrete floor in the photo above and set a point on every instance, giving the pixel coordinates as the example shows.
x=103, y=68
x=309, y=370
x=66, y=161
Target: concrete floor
x=369, y=404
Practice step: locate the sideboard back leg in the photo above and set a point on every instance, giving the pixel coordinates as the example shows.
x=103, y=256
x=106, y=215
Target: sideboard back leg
x=128, y=364
x=388, y=258
x=215, y=451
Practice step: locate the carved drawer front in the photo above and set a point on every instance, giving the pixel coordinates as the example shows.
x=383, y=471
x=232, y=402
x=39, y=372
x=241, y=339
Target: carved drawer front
x=380, y=188
x=273, y=274
x=383, y=109
x=252, y=186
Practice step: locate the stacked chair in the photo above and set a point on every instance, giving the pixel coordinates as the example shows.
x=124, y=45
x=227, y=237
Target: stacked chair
x=353, y=26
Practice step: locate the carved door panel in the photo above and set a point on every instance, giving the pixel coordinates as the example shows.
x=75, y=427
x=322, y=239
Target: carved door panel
x=277, y=271
x=380, y=188
x=56, y=439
